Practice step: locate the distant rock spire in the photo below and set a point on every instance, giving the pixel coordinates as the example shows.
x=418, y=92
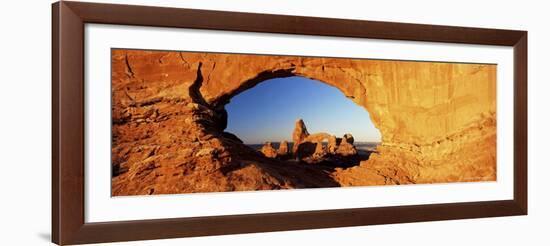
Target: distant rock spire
x=299, y=134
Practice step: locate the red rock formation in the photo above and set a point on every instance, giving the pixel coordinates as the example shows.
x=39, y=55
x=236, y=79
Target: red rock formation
x=299, y=134
x=332, y=144
x=320, y=151
x=312, y=144
x=268, y=150
x=346, y=147
x=437, y=121
x=312, y=147
x=348, y=138
x=283, y=151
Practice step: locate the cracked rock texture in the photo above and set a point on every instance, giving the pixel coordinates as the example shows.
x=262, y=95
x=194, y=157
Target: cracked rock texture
x=437, y=121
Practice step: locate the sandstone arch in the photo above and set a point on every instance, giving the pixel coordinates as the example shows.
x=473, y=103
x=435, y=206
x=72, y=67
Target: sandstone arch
x=437, y=120
x=313, y=145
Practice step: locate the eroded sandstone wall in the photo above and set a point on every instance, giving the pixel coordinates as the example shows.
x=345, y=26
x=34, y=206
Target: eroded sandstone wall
x=437, y=120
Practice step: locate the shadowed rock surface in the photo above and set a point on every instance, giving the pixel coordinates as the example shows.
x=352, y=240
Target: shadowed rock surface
x=311, y=148
x=437, y=121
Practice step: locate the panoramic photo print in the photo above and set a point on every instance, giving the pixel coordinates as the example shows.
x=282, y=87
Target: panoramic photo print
x=195, y=122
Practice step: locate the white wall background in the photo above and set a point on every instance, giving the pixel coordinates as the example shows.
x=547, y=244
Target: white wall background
x=25, y=137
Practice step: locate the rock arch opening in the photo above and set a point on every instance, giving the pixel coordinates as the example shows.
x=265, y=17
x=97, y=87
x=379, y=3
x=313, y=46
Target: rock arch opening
x=271, y=117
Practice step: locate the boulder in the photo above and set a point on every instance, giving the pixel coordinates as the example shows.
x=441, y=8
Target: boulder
x=346, y=147
x=268, y=150
x=283, y=150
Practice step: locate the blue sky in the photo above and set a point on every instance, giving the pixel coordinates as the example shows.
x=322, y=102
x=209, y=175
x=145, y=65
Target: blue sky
x=267, y=112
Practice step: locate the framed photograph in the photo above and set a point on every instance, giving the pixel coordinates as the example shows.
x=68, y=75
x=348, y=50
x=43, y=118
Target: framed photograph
x=175, y=122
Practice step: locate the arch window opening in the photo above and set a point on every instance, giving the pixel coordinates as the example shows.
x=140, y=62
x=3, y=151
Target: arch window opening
x=301, y=120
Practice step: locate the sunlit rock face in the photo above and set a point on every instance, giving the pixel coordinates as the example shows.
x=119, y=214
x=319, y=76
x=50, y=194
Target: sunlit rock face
x=299, y=134
x=268, y=150
x=346, y=148
x=437, y=121
x=283, y=152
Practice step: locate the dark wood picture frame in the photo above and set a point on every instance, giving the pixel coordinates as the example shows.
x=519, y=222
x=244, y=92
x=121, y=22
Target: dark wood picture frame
x=68, y=224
